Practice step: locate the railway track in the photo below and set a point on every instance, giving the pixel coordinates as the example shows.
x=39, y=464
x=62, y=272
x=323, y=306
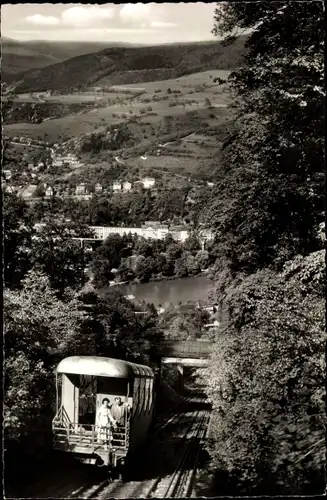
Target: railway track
x=181, y=483
x=178, y=484
x=175, y=441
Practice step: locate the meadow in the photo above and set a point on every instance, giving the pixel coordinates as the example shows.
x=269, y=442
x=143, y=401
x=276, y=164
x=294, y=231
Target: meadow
x=157, y=113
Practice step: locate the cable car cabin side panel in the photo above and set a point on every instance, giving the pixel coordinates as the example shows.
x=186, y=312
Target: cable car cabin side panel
x=142, y=411
x=70, y=396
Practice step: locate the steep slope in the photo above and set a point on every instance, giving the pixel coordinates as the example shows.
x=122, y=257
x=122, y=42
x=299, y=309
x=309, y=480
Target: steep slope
x=168, y=61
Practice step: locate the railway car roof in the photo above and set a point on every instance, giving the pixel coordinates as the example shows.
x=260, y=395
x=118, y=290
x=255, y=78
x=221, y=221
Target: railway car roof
x=103, y=367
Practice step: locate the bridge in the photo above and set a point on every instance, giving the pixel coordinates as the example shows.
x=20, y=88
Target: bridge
x=182, y=353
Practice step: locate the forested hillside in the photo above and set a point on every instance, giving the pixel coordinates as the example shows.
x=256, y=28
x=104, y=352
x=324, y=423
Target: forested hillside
x=267, y=377
x=19, y=57
x=168, y=61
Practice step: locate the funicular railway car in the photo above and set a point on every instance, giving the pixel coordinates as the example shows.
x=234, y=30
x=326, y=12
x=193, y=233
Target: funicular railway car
x=82, y=383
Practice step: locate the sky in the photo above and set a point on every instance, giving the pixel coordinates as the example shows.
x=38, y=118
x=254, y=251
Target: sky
x=149, y=23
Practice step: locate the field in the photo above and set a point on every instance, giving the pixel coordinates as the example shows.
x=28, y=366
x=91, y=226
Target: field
x=121, y=103
x=176, y=125
x=184, y=83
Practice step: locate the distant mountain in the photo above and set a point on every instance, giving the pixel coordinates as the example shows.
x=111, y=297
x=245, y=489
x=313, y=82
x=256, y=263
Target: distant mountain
x=18, y=57
x=122, y=65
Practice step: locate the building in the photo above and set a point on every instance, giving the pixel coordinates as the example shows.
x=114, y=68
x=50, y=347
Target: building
x=57, y=163
x=148, y=182
x=49, y=192
x=210, y=184
x=154, y=224
x=80, y=189
x=127, y=186
x=98, y=188
x=7, y=174
x=116, y=187
x=28, y=191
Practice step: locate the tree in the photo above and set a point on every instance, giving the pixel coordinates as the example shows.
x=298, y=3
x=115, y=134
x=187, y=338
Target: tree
x=56, y=253
x=180, y=268
x=17, y=240
x=267, y=380
x=191, y=263
x=42, y=328
x=207, y=102
x=174, y=251
x=270, y=189
x=107, y=257
x=143, y=247
x=202, y=257
x=192, y=244
x=39, y=328
x=182, y=323
x=145, y=268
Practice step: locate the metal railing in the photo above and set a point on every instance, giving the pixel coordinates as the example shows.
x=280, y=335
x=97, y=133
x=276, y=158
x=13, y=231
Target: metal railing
x=69, y=434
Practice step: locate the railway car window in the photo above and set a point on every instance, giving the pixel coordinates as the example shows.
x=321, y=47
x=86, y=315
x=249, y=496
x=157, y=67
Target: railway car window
x=113, y=386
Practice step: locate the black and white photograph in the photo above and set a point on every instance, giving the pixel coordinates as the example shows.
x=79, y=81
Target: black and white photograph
x=164, y=249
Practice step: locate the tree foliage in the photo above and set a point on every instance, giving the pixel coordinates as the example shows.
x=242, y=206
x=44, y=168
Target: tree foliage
x=268, y=384
x=182, y=323
x=39, y=328
x=270, y=190
x=42, y=327
x=266, y=381
x=17, y=240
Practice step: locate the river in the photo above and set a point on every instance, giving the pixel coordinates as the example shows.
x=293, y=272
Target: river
x=173, y=291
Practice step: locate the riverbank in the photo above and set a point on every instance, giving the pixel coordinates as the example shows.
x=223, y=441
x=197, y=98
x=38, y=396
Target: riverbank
x=164, y=292
x=158, y=278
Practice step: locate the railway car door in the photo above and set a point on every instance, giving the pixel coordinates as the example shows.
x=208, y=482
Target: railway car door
x=87, y=399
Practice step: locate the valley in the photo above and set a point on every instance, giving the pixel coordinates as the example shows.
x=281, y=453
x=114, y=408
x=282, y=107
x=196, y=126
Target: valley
x=172, y=125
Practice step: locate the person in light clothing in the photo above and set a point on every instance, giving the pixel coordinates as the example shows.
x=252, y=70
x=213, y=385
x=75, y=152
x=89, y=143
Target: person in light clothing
x=104, y=420
x=120, y=411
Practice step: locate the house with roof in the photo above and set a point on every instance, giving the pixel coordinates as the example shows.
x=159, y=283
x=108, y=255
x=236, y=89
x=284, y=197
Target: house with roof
x=127, y=186
x=49, y=192
x=28, y=191
x=80, y=189
x=7, y=174
x=98, y=188
x=148, y=182
x=116, y=186
x=57, y=162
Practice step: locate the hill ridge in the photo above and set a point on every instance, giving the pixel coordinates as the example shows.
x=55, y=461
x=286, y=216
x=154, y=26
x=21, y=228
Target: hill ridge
x=87, y=69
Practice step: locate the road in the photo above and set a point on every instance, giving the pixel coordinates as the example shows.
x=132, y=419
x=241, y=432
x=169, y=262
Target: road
x=173, y=142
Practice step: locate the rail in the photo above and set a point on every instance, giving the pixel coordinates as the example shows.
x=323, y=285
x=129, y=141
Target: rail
x=179, y=483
